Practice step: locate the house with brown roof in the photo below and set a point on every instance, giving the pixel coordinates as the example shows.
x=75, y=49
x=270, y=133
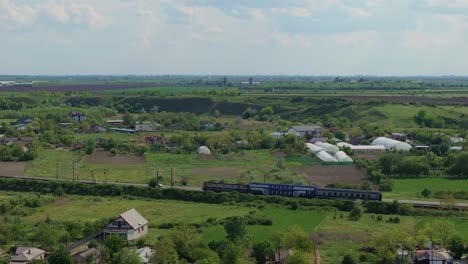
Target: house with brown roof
x=22, y=140
x=24, y=255
x=130, y=225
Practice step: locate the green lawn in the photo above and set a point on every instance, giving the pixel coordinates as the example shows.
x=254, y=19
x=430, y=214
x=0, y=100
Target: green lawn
x=49, y=160
x=411, y=188
x=282, y=218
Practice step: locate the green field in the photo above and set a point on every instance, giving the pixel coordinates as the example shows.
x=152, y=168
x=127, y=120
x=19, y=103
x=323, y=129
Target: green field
x=195, y=169
x=411, y=188
x=333, y=233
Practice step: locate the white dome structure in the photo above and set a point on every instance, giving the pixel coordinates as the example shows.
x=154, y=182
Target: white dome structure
x=328, y=147
x=391, y=144
x=313, y=148
x=344, y=144
x=342, y=157
x=325, y=157
x=204, y=150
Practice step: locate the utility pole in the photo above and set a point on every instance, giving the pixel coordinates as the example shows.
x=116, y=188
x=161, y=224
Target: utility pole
x=172, y=178
x=157, y=178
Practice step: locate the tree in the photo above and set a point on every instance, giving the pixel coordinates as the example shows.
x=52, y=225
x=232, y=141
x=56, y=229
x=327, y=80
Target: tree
x=60, y=256
x=348, y=259
x=186, y=238
x=443, y=229
x=262, y=250
x=297, y=257
x=165, y=252
x=235, y=229
x=126, y=257
x=426, y=192
x=460, y=166
x=128, y=120
x=153, y=183
x=457, y=246
x=356, y=212
x=112, y=245
x=90, y=146
x=236, y=254
x=47, y=235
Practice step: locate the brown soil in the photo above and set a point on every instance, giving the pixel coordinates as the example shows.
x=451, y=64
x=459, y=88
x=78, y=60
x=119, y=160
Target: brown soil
x=323, y=175
x=103, y=157
x=324, y=236
x=368, y=156
x=12, y=168
x=410, y=99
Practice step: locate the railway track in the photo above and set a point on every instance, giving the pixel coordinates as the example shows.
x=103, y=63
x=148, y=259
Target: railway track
x=415, y=203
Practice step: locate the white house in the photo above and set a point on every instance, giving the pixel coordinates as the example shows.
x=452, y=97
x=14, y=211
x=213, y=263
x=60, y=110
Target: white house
x=301, y=131
x=77, y=116
x=130, y=225
x=145, y=127
x=24, y=255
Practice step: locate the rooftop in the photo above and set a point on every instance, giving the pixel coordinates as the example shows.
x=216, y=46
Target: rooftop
x=134, y=219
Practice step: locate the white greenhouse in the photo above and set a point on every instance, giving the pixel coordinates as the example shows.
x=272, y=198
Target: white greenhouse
x=203, y=150
x=392, y=144
x=332, y=149
x=313, y=148
x=325, y=157
x=342, y=157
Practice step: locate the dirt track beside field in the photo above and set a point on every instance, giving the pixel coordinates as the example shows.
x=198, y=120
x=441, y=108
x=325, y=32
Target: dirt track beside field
x=323, y=175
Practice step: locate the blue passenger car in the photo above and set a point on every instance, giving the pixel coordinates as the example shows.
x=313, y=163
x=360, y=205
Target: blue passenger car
x=282, y=190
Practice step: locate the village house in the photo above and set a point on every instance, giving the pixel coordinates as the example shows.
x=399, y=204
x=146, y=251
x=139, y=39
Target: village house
x=145, y=127
x=64, y=125
x=115, y=122
x=24, y=255
x=81, y=257
x=154, y=140
x=8, y=141
x=96, y=128
x=301, y=131
x=77, y=116
x=130, y=225
x=206, y=125
x=145, y=254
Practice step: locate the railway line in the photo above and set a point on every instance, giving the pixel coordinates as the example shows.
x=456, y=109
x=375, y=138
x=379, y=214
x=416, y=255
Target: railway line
x=415, y=203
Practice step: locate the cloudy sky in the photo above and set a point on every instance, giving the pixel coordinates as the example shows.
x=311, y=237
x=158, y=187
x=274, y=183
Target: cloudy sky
x=306, y=37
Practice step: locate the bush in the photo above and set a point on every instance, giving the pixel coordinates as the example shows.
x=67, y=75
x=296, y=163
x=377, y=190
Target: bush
x=426, y=193
x=386, y=186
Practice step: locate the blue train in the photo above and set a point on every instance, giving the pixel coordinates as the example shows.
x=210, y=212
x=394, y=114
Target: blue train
x=293, y=190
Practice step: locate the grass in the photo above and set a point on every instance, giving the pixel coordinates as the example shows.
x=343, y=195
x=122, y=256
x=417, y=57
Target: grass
x=411, y=188
x=301, y=161
x=242, y=166
x=86, y=209
x=282, y=218
x=49, y=160
x=333, y=233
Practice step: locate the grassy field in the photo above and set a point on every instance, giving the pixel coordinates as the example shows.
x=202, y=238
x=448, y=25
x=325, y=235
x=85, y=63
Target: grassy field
x=411, y=188
x=195, y=169
x=283, y=219
x=49, y=160
x=333, y=233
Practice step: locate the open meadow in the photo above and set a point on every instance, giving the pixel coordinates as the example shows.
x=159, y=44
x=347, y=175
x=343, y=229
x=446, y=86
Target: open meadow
x=334, y=234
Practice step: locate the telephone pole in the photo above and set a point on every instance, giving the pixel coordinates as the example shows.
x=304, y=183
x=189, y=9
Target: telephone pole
x=172, y=178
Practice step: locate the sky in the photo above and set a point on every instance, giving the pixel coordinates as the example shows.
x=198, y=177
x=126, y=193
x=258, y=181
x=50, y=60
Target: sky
x=234, y=37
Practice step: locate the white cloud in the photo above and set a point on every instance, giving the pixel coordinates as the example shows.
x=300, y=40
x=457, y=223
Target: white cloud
x=447, y=3
x=61, y=11
x=359, y=12
x=292, y=11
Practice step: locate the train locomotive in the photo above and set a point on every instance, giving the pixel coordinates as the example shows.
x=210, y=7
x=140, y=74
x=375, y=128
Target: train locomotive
x=291, y=190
